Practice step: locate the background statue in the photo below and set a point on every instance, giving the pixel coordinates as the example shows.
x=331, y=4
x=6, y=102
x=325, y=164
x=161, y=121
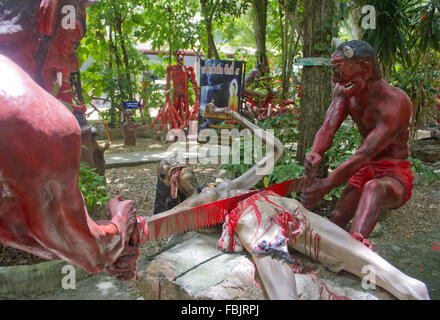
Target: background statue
x=129, y=126
x=176, y=113
x=23, y=23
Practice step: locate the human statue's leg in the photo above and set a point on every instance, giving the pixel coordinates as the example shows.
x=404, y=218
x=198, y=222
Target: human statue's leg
x=386, y=192
x=346, y=206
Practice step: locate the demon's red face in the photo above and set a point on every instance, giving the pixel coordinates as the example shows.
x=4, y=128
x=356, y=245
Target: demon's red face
x=349, y=74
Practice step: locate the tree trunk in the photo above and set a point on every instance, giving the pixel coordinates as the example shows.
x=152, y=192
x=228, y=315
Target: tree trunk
x=316, y=82
x=125, y=57
x=207, y=17
x=259, y=15
x=212, y=49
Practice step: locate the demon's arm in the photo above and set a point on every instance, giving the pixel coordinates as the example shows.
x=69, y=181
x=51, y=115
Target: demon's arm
x=336, y=114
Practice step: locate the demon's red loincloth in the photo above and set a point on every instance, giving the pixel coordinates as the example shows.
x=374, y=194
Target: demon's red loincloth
x=400, y=170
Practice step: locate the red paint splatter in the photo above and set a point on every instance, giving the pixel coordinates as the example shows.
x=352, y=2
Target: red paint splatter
x=253, y=278
x=331, y=295
x=435, y=246
x=317, y=245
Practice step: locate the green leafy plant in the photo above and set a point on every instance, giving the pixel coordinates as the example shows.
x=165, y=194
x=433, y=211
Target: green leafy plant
x=425, y=173
x=93, y=187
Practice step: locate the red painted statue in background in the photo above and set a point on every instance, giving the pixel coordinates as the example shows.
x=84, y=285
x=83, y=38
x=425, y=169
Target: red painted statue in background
x=379, y=173
x=176, y=113
x=23, y=24
x=57, y=60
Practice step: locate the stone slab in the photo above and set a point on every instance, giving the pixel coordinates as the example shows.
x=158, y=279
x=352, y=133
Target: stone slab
x=195, y=269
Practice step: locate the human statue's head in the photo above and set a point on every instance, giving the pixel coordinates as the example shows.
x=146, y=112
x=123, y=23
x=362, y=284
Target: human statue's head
x=354, y=63
x=234, y=89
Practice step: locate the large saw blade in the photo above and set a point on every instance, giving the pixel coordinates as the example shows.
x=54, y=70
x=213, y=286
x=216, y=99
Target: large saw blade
x=173, y=222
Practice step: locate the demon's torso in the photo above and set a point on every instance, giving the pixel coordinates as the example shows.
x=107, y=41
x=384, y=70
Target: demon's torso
x=367, y=116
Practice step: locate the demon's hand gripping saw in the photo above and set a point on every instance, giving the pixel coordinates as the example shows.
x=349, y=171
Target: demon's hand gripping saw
x=168, y=223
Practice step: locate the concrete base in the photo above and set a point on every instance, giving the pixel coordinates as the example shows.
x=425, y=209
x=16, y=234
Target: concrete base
x=195, y=269
x=21, y=281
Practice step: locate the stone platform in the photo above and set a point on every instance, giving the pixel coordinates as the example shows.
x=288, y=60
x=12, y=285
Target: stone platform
x=194, y=269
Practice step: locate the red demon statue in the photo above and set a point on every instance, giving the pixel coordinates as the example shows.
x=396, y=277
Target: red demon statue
x=379, y=173
x=177, y=112
x=42, y=210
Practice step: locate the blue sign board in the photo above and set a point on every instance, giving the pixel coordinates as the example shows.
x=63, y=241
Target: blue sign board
x=132, y=105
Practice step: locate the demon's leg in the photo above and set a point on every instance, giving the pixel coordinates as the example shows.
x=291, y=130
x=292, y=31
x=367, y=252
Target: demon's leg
x=381, y=193
x=346, y=206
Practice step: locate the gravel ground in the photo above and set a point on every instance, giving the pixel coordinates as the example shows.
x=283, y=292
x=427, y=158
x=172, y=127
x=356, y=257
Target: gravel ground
x=142, y=144
x=420, y=214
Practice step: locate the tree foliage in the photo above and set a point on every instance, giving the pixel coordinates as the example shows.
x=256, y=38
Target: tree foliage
x=218, y=11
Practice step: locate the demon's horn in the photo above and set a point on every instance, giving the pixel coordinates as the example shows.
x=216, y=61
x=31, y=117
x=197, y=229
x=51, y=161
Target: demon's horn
x=348, y=52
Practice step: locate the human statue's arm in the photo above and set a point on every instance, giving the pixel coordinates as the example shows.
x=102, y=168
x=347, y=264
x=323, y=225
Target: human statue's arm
x=168, y=84
x=195, y=84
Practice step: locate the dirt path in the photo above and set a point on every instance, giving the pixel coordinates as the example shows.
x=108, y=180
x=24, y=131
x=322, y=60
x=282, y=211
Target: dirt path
x=409, y=237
